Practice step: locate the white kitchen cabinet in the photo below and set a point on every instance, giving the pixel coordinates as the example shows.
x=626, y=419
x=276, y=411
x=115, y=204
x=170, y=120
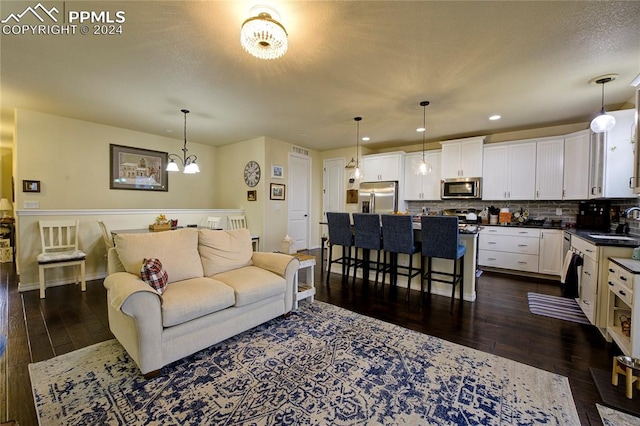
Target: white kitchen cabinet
x=382, y=167
x=509, y=248
x=462, y=158
x=549, y=168
x=576, y=166
x=422, y=187
x=509, y=171
x=623, y=284
x=551, y=256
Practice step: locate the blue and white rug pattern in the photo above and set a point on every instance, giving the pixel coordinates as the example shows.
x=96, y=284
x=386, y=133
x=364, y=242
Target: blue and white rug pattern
x=611, y=417
x=322, y=365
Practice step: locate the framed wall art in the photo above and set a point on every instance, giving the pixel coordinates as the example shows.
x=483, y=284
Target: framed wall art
x=137, y=168
x=277, y=172
x=30, y=186
x=277, y=191
x=252, y=195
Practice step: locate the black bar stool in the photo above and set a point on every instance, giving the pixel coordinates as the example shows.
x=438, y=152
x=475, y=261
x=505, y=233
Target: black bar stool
x=368, y=236
x=441, y=239
x=397, y=237
x=340, y=234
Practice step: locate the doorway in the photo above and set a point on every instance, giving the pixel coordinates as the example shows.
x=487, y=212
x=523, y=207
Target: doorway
x=299, y=200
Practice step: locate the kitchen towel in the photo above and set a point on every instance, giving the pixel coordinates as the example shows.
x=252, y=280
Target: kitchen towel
x=570, y=286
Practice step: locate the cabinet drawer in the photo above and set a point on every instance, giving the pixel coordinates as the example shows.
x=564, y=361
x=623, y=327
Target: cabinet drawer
x=584, y=247
x=515, y=261
x=620, y=290
x=513, y=244
x=620, y=274
x=505, y=230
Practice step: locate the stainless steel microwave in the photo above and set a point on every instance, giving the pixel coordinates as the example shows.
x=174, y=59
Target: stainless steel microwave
x=461, y=188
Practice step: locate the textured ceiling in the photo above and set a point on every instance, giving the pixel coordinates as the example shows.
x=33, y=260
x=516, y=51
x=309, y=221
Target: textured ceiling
x=528, y=61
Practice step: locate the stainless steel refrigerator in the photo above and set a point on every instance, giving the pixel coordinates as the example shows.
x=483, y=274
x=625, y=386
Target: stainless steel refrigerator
x=378, y=197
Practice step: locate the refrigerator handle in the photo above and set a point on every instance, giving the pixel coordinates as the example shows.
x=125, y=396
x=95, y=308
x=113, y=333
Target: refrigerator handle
x=372, y=202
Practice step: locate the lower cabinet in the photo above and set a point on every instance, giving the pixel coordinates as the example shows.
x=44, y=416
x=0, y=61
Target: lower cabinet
x=623, y=319
x=551, y=256
x=509, y=248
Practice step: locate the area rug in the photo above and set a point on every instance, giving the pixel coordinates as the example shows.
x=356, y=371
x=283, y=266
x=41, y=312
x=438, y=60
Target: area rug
x=322, y=365
x=556, y=307
x=611, y=417
x=615, y=396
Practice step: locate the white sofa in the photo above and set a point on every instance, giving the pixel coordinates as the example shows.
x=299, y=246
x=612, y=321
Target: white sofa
x=218, y=287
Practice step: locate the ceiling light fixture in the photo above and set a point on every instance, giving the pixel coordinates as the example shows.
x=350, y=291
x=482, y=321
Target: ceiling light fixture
x=424, y=166
x=495, y=117
x=262, y=35
x=603, y=121
x=189, y=162
x=355, y=163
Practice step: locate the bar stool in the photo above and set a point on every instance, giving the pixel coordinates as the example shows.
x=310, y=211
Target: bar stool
x=368, y=236
x=340, y=234
x=441, y=239
x=397, y=237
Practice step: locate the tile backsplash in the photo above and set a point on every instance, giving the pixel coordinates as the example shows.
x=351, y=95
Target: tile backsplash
x=548, y=209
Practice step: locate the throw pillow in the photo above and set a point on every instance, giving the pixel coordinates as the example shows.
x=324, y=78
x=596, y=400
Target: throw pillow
x=154, y=274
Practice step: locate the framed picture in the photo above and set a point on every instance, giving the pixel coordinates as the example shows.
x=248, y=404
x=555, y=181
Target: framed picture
x=30, y=186
x=252, y=195
x=277, y=172
x=277, y=191
x=136, y=168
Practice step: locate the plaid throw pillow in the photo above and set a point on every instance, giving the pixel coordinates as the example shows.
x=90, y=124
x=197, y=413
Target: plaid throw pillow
x=154, y=274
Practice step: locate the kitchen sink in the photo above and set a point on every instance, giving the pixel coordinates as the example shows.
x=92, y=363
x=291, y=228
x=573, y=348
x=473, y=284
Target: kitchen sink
x=612, y=237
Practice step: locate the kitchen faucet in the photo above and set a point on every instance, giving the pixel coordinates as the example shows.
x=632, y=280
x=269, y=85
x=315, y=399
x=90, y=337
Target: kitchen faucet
x=629, y=210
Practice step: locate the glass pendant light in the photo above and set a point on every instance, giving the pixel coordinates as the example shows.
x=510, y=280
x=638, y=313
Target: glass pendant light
x=424, y=166
x=603, y=122
x=356, y=173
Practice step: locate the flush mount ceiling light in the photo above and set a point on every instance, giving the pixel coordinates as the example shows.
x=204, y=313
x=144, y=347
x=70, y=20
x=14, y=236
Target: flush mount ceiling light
x=424, y=166
x=262, y=35
x=189, y=162
x=603, y=122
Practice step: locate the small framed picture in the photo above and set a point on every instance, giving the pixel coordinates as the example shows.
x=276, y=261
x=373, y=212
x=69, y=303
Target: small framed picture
x=252, y=195
x=277, y=172
x=277, y=191
x=30, y=186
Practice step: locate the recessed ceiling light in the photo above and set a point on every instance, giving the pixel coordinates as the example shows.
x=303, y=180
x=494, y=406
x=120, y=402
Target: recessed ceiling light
x=421, y=129
x=366, y=138
x=495, y=117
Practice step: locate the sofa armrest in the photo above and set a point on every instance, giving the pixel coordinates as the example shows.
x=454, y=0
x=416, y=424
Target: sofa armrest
x=282, y=264
x=121, y=285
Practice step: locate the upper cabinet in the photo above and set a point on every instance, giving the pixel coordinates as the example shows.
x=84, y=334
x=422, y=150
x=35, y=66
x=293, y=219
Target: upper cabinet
x=509, y=171
x=635, y=181
x=462, y=158
x=549, y=168
x=422, y=187
x=576, y=166
x=382, y=167
x=618, y=156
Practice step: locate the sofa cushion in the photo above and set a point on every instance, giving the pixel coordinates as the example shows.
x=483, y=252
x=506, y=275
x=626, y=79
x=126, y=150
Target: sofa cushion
x=252, y=284
x=190, y=299
x=177, y=250
x=223, y=251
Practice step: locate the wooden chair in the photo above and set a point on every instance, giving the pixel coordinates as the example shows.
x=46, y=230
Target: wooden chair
x=237, y=222
x=107, y=238
x=59, y=239
x=213, y=222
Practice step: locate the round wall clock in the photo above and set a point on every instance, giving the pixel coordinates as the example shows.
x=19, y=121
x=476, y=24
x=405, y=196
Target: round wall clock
x=252, y=173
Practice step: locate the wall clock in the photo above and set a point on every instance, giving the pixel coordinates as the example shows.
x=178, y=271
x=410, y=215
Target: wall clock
x=252, y=173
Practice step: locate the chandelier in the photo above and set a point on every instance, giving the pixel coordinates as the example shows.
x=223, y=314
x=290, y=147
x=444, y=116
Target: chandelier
x=188, y=162
x=262, y=35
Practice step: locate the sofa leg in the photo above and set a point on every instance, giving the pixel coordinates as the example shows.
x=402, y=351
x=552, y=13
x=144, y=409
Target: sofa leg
x=151, y=374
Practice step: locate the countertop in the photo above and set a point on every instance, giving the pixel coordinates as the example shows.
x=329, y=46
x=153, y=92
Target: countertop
x=602, y=240
x=630, y=265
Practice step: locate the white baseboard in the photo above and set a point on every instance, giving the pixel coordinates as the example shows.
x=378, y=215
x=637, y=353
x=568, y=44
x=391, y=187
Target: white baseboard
x=55, y=283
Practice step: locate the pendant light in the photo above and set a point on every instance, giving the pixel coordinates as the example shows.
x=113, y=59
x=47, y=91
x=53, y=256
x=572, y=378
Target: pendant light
x=356, y=174
x=188, y=162
x=424, y=166
x=603, y=122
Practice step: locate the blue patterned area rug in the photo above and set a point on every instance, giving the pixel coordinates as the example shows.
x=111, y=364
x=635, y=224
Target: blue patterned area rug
x=611, y=417
x=322, y=365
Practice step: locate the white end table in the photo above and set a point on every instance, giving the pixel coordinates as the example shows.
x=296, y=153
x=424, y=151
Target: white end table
x=305, y=289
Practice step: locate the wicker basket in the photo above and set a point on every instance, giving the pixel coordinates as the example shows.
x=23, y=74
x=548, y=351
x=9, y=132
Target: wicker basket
x=160, y=227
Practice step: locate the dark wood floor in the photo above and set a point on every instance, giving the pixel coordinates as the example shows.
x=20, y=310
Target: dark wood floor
x=499, y=322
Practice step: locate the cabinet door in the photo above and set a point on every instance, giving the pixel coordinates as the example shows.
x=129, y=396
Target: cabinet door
x=371, y=169
x=390, y=166
x=451, y=160
x=494, y=173
x=522, y=171
x=576, y=166
x=550, y=252
x=549, y=168
x=618, y=157
x=471, y=158
x=596, y=164
x=589, y=288
x=412, y=180
x=431, y=181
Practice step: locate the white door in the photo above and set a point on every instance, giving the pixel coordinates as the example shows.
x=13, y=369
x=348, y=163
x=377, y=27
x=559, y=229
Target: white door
x=299, y=199
x=333, y=191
